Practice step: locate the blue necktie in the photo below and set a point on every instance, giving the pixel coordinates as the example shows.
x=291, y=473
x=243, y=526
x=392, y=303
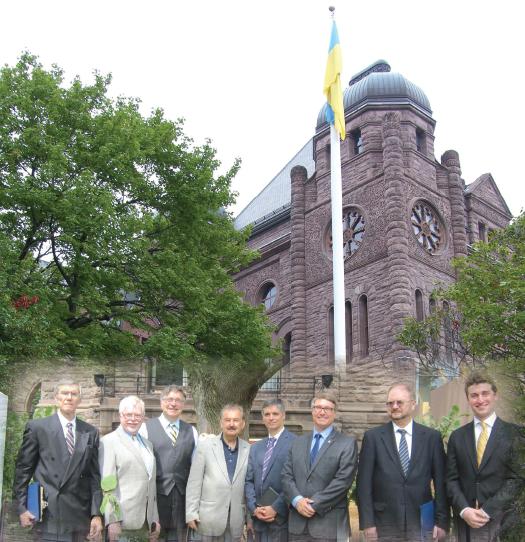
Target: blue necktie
x=315, y=449
x=268, y=454
x=403, y=451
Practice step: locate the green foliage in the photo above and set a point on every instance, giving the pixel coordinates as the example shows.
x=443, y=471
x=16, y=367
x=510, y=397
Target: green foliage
x=446, y=424
x=43, y=412
x=14, y=432
x=108, y=216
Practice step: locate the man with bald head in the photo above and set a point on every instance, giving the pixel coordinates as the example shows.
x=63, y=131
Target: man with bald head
x=398, y=463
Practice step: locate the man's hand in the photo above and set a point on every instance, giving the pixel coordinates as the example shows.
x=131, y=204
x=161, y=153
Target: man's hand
x=370, y=533
x=114, y=530
x=95, y=529
x=438, y=533
x=155, y=532
x=193, y=524
x=304, y=507
x=265, y=513
x=27, y=519
x=475, y=518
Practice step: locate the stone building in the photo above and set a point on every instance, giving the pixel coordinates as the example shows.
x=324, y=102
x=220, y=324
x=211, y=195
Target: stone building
x=405, y=215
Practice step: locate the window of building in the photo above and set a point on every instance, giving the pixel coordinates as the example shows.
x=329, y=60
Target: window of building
x=357, y=141
x=363, y=325
x=268, y=295
x=419, y=306
x=482, y=232
x=349, y=333
x=431, y=305
x=421, y=144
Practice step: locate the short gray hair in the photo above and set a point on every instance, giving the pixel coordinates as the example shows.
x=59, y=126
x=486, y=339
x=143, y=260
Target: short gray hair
x=173, y=388
x=232, y=406
x=129, y=403
x=66, y=382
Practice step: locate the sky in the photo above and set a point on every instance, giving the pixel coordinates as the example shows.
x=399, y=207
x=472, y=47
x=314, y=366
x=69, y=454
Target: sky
x=248, y=75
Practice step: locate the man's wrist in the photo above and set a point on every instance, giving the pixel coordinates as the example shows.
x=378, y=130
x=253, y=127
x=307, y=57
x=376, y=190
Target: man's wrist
x=295, y=500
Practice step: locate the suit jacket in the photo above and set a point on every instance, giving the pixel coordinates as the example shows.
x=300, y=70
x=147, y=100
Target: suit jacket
x=494, y=485
x=327, y=482
x=136, y=492
x=388, y=499
x=256, y=485
x=71, y=483
x=210, y=495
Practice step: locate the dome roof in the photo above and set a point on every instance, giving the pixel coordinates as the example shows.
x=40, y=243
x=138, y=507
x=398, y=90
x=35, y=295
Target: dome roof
x=377, y=85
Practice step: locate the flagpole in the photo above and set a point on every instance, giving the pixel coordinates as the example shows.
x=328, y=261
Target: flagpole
x=335, y=115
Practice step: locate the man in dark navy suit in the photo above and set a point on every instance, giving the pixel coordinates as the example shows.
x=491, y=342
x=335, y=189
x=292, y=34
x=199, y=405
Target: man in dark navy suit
x=267, y=457
x=398, y=464
x=61, y=453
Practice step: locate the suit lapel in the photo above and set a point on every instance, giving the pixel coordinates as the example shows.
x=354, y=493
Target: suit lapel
x=470, y=444
x=389, y=441
x=332, y=437
x=243, y=452
x=276, y=449
x=58, y=440
x=492, y=442
x=418, y=437
x=126, y=441
x=218, y=452
x=81, y=439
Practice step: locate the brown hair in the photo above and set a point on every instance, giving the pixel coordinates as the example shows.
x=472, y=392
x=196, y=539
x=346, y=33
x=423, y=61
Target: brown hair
x=327, y=395
x=477, y=377
x=404, y=385
x=172, y=389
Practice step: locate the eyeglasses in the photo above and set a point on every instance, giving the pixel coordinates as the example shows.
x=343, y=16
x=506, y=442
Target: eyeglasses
x=128, y=416
x=391, y=404
x=323, y=408
x=170, y=400
x=68, y=393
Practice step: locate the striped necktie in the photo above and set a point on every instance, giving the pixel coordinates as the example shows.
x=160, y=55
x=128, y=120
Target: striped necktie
x=268, y=454
x=173, y=433
x=70, y=439
x=403, y=451
x=482, y=442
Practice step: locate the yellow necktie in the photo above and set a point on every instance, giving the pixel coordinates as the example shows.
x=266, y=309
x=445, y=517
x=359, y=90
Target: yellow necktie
x=482, y=442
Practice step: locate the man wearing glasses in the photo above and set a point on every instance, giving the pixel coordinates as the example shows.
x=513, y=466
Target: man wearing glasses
x=397, y=464
x=173, y=444
x=317, y=477
x=61, y=453
x=128, y=472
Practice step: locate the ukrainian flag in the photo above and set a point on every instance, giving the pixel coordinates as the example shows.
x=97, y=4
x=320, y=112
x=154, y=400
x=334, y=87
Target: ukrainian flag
x=335, y=113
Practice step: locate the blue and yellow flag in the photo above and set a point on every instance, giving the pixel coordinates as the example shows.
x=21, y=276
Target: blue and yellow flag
x=335, y=112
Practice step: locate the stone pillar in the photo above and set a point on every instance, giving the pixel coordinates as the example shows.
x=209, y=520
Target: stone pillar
x=298, y=177
x=450, y=160
x=397, y=233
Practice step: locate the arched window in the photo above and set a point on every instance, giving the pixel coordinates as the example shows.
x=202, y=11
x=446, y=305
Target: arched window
x=363, y=326
x=431, y=305
x=349, y=331
x=268, y=295
x=420, y=316
x=287, y=347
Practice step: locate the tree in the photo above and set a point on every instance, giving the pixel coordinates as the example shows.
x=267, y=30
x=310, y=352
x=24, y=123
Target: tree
x=109, y=216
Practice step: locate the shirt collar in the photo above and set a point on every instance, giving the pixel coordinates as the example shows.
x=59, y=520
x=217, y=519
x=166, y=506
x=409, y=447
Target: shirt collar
x=65, y=421
x=227, y=446
x=166, y=423
x=324, y=433
x=409, y=428
x=490, y=421
x=277, y=435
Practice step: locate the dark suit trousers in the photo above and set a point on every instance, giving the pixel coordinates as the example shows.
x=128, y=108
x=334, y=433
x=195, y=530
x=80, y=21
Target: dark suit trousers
x=488, y=533
x=305, y=537
x=274, y=533
x=172, y=516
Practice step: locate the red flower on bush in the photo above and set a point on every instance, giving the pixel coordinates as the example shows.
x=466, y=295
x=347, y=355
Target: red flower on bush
x=24, y=301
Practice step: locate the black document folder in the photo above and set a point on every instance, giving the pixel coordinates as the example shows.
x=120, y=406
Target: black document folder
x=268, y=497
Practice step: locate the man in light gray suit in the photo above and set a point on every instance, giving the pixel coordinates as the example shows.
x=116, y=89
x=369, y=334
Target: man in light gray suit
x=127, y=458
x=317, y=476
x=263, y=478
x=215, y=491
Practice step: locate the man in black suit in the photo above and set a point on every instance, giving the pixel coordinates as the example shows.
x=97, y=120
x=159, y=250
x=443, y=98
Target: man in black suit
x=397, y=463
x=61, y=453
x=263, y=477
x=173, y=444
x=317, y=476
x=483, y=466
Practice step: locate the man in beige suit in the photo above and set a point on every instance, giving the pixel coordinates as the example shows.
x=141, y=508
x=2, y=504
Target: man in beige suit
x=215, y=492
x=127, y=466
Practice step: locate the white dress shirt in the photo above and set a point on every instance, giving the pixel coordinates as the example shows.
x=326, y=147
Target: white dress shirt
x=64, y=422
x=408, y=435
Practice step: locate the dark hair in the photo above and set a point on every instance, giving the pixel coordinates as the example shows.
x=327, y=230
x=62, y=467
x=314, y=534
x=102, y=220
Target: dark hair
x=273, y=402
x=477, y=377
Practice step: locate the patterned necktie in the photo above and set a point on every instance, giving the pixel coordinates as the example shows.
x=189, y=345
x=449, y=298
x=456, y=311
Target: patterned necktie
x=403, y=451
x=315, y=449
x=70, y=439
x=482, y=442
x=268, y=454
x=173, y=433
